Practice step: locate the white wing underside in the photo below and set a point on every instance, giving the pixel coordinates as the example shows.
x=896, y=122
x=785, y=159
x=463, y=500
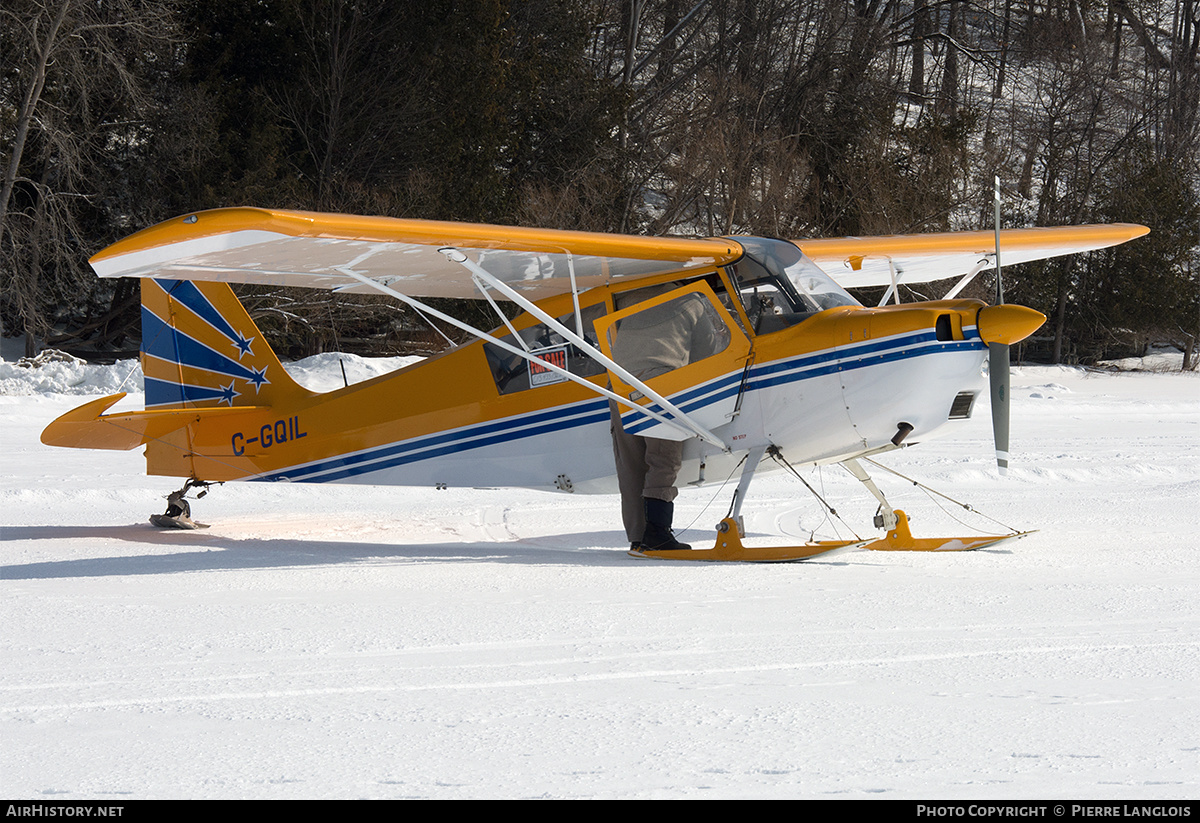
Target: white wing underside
x=421, y=271
x=858, y=262
x=319, y=251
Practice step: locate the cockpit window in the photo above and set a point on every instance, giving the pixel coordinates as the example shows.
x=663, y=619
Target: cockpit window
x=781, y=287
x=816, y=286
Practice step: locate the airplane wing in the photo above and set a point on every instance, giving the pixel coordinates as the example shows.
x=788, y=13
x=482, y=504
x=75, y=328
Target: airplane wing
x=293, y=248
x=855, y=262
x=309, y=249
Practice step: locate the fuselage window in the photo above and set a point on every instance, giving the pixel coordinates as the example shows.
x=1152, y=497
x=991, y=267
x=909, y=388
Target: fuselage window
x=770, y=303
x=629, y=298
x=514, y=373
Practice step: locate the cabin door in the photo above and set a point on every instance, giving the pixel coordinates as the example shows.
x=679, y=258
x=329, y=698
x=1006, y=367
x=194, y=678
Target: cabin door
x=684, y=345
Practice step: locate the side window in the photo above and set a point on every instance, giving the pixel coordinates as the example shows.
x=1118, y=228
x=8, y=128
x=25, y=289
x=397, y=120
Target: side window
x=626, y=299
x=766, y=306
x=513, y=373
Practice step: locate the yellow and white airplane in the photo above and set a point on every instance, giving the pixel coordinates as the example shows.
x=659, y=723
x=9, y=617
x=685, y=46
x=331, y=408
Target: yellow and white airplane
x=795, y=367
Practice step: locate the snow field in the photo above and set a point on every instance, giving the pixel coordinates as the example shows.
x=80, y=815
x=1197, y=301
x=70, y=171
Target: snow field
x=322, y=641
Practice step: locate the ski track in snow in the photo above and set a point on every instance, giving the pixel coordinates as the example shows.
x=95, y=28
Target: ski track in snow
x=388, y=643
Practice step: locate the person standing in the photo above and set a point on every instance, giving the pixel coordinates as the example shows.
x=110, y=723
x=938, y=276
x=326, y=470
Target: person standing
x=649, y=343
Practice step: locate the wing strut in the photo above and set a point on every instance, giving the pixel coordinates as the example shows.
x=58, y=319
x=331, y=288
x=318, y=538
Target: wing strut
x=894, y=289
x=967, y=278
x=679, y=421
x=683, y=424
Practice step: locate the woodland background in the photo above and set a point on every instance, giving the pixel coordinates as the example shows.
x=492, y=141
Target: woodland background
x=787, y=118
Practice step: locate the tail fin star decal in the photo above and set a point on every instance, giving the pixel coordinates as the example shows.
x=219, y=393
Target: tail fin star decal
x=162, y=393
x=197, y=346
x=189, y=295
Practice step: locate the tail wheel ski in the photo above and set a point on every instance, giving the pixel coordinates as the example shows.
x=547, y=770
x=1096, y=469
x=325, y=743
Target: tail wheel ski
x=179, y=512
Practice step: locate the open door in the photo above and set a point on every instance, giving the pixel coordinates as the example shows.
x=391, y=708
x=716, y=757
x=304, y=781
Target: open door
x=684, y=345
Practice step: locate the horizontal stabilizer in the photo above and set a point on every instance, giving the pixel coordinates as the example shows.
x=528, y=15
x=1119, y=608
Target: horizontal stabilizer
x=87, y=427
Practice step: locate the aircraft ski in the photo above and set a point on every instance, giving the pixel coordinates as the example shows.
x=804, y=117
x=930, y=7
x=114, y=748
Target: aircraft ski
x=900, y=539
x=179, y=512
x=166, y=521
x=730, y=549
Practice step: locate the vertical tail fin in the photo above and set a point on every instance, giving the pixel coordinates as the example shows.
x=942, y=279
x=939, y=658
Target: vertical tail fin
x=200, y=348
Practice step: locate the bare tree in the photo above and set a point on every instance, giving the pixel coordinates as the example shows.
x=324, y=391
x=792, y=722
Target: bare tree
x=71, y=81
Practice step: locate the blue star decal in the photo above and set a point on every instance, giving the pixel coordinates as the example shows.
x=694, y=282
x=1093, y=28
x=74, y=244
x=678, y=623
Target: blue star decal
x=227, y=393
x=258, y=377
x=243, y=345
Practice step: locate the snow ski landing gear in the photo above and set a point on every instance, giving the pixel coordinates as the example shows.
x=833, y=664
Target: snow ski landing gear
x=729, y=548
x=899, y=539
x=179, y=513
x=897, y=535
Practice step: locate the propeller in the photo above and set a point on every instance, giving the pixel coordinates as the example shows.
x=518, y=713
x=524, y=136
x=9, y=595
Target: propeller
x=1000, y=326
x=999, y=360
x=998, y=368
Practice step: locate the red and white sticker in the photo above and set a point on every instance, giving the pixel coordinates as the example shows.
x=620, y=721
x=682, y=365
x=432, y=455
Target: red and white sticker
x=539, y=375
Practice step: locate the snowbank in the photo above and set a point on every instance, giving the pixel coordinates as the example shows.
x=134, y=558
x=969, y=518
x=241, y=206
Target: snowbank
x=48, y=374
x=57, y=373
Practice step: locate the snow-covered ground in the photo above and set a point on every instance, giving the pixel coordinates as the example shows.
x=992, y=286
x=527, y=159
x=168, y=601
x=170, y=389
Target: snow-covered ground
x=373, y=642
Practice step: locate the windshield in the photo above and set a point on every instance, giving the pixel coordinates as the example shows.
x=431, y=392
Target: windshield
x=815, y=289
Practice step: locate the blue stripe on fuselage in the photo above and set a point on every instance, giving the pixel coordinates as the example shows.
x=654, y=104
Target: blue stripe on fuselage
x=596, y=411
x=779, y=373
x=438, y=445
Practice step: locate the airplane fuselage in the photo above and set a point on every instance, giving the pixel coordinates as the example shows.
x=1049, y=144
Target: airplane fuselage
x=834, y=385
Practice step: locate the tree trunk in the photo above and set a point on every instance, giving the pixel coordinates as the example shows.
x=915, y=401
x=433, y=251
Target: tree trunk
x=34, y=93
x=920, y=30
x=1060, y=321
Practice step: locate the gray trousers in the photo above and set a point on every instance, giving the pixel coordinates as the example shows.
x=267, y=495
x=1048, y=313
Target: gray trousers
x=646, y=467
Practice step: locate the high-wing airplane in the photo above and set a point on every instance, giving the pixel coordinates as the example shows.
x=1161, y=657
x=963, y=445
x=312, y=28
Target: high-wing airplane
x=792, y=366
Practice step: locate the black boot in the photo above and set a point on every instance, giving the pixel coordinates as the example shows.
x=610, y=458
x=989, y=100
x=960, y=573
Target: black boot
x=658, y=536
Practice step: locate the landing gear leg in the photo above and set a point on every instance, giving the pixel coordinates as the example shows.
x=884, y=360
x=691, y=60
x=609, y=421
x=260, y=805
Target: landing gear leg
x=898, y=536
x=734, y=519
x=886, y=517
x=179, y=513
